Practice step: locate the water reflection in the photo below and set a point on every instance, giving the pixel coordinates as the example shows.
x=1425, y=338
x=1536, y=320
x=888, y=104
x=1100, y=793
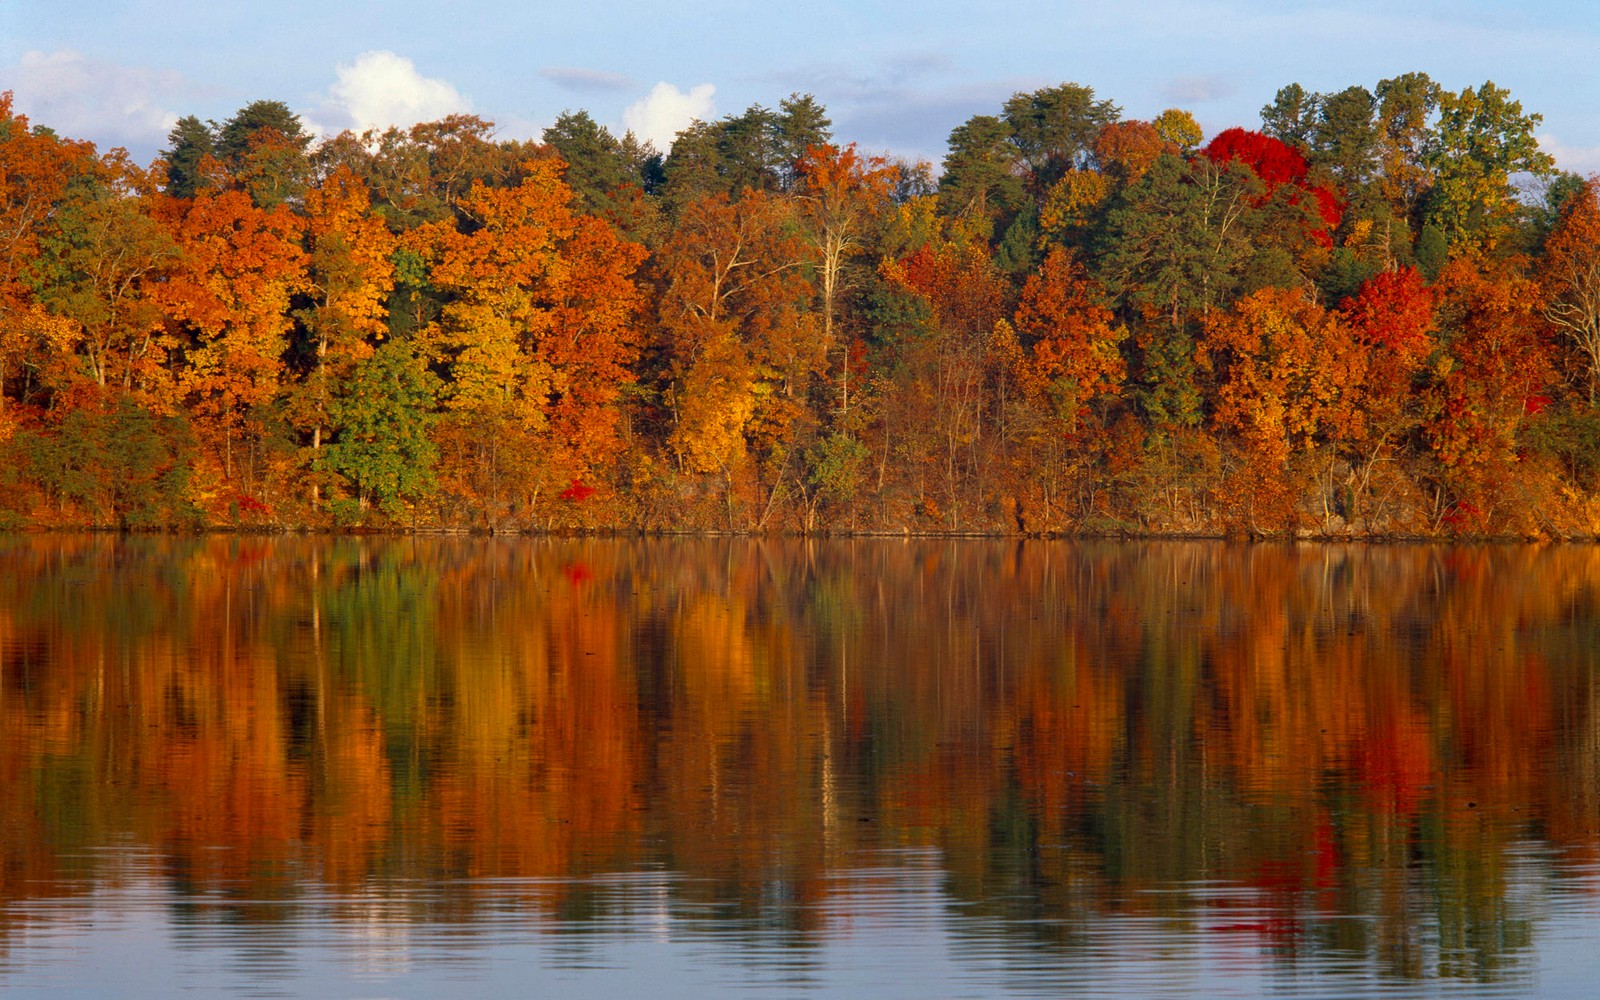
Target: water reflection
x=885, y=767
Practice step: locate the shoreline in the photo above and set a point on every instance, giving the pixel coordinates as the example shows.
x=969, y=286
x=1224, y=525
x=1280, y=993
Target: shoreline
x=1247, y=538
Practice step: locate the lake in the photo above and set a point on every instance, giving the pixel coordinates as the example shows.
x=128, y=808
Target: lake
x=421, y=767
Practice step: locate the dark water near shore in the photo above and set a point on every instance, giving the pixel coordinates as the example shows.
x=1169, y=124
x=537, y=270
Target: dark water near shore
x=474, y=768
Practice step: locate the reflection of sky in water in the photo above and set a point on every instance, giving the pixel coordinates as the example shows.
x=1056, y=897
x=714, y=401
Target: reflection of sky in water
x=888, y=930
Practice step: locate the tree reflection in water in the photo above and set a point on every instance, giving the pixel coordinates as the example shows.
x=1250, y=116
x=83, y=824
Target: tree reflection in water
x=1370, y=758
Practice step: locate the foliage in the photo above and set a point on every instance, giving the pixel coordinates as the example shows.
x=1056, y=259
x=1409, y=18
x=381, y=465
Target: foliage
x=382, y=446
x=117, y=463
x=1371, y=316
x=1571, y=276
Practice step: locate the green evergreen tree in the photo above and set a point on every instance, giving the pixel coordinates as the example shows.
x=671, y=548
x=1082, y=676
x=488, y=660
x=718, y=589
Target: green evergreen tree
x=1292, y=116
x=980, y=172
x=1053, y=130
x=1345, y=137
x=191, y=141
x=802, y=123
x=264, y=147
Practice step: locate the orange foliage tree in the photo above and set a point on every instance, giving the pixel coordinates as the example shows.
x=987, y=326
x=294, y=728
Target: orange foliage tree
x=741, y=349
x=1571, y=276
x=1495, y=381
x=1067, y=361
x=1391, y=319
x=1126, y=149
x=1281, y=363
x=228, y=299
x=35, y=168
x=538, y=336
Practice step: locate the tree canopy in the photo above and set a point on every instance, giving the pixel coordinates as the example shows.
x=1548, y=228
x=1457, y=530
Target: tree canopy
x=1373, y=313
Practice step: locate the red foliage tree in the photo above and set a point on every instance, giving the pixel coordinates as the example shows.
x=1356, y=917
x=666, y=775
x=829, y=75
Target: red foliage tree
x=1277, y=164
x=1393, y=310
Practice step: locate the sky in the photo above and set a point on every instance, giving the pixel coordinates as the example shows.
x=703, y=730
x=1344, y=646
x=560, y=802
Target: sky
x=895, y=77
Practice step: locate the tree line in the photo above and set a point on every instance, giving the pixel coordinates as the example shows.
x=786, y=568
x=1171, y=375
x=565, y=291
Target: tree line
x=1378, y=313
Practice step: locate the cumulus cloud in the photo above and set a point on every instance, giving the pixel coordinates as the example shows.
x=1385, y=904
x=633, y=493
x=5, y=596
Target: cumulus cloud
x=586, y=80
x=1578, y=159
x=666, y=111
x=380, y=89
x=84, y=98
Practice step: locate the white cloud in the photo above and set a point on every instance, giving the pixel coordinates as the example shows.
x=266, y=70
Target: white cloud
x=381, y=89
x=84, y=98
x=666, y=111
x=1578, y=159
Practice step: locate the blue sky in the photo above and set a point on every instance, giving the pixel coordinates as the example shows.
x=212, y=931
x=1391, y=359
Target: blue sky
x=894, y=77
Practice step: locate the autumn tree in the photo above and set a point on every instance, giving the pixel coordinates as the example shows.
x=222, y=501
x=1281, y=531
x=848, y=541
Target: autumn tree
x=841, y=195
x=36, y=170
x=1391, y=319
x=1570, y=272
x=1496, y=383
x=1126, y=149
x=537, y=336
x=1067, y=360
x=741, y=350
x=947, y=398
x=1281, y=364
x=100, y=268
x=1482, y=140
x=228, y=302
x=349, y=278
x=1075, y=207
x=1178, y=127
x=1279, y=166
x=1071, y=339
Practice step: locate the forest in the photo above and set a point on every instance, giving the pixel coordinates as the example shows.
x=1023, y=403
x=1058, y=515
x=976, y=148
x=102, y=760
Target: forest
x=1376, y=314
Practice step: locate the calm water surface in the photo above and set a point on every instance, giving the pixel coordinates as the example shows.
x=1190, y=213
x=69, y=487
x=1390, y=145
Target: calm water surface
x=474, y=768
